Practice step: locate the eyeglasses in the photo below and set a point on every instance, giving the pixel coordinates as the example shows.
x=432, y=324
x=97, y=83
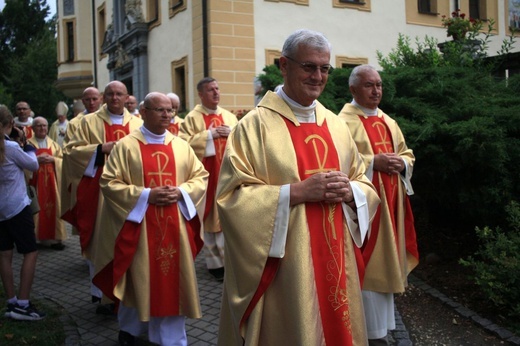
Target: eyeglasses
x=161, y=110
x=309, y=67
x=22, y=109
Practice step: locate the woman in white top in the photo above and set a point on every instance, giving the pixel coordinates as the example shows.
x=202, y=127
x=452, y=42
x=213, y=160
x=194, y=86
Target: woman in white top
x=16, y=220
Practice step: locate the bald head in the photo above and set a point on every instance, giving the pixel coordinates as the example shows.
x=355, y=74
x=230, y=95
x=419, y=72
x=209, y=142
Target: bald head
x=115, y=96
x=91, y=99
x=157, y=112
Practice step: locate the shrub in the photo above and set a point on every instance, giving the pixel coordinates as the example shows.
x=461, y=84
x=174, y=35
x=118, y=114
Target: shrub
x=497, y=263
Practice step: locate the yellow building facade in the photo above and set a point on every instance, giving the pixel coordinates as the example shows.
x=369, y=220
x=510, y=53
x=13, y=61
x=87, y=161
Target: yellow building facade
x=169, y=45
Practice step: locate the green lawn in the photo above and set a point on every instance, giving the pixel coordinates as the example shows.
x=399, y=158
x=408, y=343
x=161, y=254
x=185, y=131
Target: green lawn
x=46, y=332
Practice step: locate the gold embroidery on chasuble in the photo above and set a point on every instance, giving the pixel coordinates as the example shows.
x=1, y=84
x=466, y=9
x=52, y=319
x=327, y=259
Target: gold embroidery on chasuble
x=316, y=153
x=162, y=228
x=387, y=185
x=113, y=133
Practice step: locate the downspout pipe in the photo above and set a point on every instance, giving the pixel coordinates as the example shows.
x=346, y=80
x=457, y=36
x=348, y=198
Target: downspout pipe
x=205, y=37
x=94, y=39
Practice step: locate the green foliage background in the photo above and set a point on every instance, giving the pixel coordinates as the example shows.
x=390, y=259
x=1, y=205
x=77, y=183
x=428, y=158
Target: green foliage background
x=464, y=127
x=28, y=57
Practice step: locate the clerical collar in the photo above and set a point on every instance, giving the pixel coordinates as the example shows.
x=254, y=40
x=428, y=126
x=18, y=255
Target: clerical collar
x=116, y=119
x=151, y=137
x=368, y=112
x=304, y=114
x=209, y=111
x=28, y=122
x=42, y=143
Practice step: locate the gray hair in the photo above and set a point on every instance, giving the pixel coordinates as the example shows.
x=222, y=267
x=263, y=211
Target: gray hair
x=357, y=71
x=305, y=37
x=39, y=119
x=173, y=96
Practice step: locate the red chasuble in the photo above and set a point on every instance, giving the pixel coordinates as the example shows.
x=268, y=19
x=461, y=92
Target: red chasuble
x=174, y=128
x=315, y=153
x=213, y=163
x=381, y=142
x=44, y=180
x=84, y=213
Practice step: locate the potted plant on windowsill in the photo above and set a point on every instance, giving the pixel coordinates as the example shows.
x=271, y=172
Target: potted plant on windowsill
x=457, y=26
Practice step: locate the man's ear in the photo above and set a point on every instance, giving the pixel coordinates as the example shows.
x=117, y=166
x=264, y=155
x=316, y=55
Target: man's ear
x=352, y=90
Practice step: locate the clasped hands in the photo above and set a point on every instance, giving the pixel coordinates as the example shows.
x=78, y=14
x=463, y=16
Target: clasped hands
x=389, y=163
x=45, y=158
x=164, y=195
x=327, y=187
x=220, y=131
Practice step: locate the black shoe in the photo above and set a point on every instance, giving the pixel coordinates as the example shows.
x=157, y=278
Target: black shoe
x=106, y=309
x=96, y=299
x=57, y=246
x=125, y=338
x=28, y=313
x=218, y=273
x=9, y=309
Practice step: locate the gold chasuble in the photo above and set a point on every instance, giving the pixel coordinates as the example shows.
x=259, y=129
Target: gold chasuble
x=194, y=129
x=87, y=200
x=388, y=186
x=315, y=153
x=311, y=295
x=150, y=265
x=390, y=251
x=46, y=179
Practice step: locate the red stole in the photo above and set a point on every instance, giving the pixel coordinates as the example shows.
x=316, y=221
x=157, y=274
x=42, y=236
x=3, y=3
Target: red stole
x=162, y=225
x=44, y=179
x=28, y=132
x=381, y=141
x=162, y=230
x=315, y=153
x=84, y=213
x=212, y=163
x=174, y=128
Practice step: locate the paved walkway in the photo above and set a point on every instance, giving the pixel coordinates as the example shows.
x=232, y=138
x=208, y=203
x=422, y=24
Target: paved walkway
x=62, y=276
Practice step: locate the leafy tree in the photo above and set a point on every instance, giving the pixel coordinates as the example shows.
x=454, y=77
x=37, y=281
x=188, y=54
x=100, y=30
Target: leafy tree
x=271, y=78
x=28, y=54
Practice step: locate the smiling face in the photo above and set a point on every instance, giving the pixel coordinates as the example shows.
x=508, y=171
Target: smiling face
x=301, y=86
x=40, y=127
x=368, y=89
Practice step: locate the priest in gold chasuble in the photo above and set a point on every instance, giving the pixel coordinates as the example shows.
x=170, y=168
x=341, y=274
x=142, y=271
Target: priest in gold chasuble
x=294, y=206
x=206, y=128
x=390, y=250
x=85, y=155
x=154, y=187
